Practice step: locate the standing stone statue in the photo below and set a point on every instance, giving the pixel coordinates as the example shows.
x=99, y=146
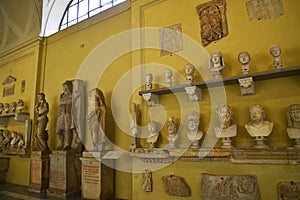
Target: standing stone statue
x=133, y=117
x=96, y=117
x=259, y=128
x=41, y=137
x=65, y=122
x=147, y=182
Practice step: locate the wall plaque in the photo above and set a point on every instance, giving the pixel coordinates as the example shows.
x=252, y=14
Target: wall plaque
x=170, y=39
x=9, y=90
x=229, y=187
x=213, y=21
x=264, y=9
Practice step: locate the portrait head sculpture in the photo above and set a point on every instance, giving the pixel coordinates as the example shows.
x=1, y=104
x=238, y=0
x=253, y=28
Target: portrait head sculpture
x=172, y=132
x=189, y=70
x=275, y=51
x=13, y=106
x=225, y=129
x=258, y=127
x=149, y=79
x=293, y=122
x=194, y=135
x=97, y=118
x=21, y=105
x=168, y=76
x=216, y=63
x=244, y=58
x=293, y=116
x=153, y=133
x=224, y=115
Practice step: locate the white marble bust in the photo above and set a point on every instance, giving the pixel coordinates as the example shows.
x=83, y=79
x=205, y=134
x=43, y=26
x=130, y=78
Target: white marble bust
x=153, y=133
x=168, y=76
x=194, y=135
x=225, y=128
x=258, y=127
x=172, y=132
x=216, y=64
x=244, y=59
x=293, y=120
x=189, y=70
x=149, y=79
x=275, y=51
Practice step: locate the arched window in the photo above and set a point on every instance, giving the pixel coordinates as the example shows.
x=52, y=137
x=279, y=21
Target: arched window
x=79, y=10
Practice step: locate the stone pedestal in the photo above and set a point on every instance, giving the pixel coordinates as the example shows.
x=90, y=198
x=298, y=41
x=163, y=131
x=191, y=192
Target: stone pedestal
x=97, y=178
x=4, y=165
x=39, y=172
x=65, y=174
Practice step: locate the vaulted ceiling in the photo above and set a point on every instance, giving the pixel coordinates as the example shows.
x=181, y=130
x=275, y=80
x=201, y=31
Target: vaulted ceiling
x=20, y=21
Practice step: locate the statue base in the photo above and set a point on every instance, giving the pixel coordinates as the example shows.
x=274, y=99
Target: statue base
x=65, y=173
x=260, y=143
x=97, y=178
x=39, y=175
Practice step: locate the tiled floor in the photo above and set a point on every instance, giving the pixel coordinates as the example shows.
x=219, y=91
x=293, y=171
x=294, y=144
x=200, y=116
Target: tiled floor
x=17, y=192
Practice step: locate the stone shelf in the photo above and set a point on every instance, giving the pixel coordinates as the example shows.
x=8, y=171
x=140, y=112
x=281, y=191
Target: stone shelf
x=247, y=155
x=271, y=74
x=19, y=117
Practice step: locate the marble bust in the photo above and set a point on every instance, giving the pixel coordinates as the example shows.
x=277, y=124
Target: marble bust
x=168, y=76
x=153, y=134
x=275, y=51
x=6, y=108
x=244, y=59
x=225, y=128
x=216, y=64
x=172, y=133
x=258, y=127
x=194, y=135
x=189, y=70
x=149, y=79
x=293, y=121
x=1, y=108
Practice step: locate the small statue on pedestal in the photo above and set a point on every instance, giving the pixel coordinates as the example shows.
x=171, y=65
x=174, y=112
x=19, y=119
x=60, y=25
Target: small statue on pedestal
x=172, y=130
x=225, y=128
x=293, y=120
x=133, y=118
x=194, y=135
x=153, y=134
x=189, y=70
x=168, y=76
x=244, y=59
x=275, y=51
x=216, y=64
x=96, y=117
x=149, y=79
x=259, y=128
x=41, y=137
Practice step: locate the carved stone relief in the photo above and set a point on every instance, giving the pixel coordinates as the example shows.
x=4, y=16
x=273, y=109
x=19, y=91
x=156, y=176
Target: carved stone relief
x=288, y=190
x=176, y=186
x=170, y=39
x=219, y=187
x=213, y=21
x=264, y=9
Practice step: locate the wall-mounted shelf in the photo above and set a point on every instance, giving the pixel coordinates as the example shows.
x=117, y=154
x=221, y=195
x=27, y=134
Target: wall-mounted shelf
x=19, y=117
x=290, y=71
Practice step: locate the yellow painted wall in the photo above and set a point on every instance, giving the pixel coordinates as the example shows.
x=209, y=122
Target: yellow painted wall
x=66, y=52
